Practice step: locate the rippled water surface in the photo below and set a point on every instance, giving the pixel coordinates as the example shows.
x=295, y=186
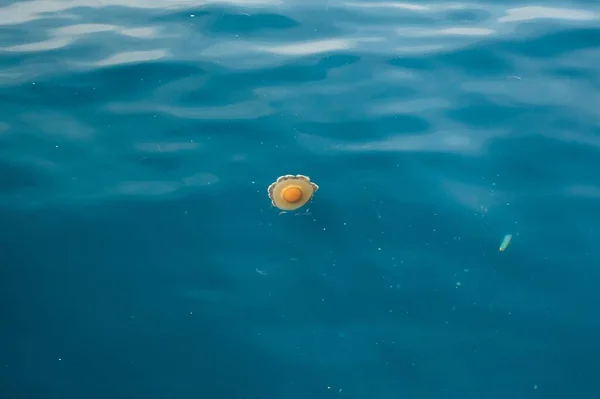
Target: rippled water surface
x=140, y=256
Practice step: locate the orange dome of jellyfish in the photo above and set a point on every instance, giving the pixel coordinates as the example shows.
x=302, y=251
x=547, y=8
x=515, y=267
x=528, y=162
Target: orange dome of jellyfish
x=291, y=192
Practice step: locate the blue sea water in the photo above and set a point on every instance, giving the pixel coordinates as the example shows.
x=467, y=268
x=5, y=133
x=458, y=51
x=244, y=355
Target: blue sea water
x=140, y=256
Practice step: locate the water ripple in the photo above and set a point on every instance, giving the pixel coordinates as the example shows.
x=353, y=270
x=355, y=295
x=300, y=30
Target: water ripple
x=407, y=77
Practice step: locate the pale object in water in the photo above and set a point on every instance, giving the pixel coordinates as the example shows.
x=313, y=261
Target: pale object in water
x=505, y=242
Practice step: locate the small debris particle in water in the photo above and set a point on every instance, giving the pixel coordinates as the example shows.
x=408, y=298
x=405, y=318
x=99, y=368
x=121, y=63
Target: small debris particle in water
x=505, y=242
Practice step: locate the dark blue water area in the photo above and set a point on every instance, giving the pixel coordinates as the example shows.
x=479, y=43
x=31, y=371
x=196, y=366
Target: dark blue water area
x=140, y=255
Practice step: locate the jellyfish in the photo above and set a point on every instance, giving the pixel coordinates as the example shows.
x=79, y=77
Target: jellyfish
x=291, y=192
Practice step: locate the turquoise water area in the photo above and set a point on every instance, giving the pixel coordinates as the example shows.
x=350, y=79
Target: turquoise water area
x=140, y=256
